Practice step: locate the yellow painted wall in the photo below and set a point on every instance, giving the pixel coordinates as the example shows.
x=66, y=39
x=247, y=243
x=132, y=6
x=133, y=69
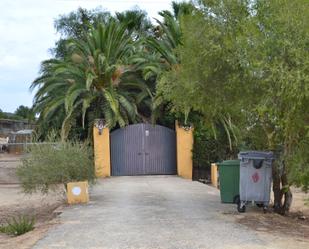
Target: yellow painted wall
x=214, y=175
x=184, y=143
x=77, y=192
x=101, y=152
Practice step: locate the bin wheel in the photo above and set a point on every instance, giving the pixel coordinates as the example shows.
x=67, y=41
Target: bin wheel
x=241, y=209
x=265, y=209
x=236, y=199
x=260, y=205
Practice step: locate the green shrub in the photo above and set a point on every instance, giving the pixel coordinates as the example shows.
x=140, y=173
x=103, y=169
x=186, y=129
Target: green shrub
x=49, y=165
x=209, y=149
x=18, y=226
x=204, y=148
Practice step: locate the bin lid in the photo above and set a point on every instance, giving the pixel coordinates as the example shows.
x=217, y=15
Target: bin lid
x=256, y=155
x=229, y=163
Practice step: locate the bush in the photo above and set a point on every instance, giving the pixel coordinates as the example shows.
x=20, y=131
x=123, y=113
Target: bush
x=49, y=165
x=209, y=149
x=204, y=148
x=18, y=226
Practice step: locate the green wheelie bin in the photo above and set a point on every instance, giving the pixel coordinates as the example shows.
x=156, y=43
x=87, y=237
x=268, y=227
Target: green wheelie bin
x=229, y=181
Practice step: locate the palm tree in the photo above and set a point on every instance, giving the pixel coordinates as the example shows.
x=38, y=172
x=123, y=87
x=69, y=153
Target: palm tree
x=137, y=22
x=163, y=48
x=157, y=54
x=160, y=47
x=95, y=74
x=160, y=55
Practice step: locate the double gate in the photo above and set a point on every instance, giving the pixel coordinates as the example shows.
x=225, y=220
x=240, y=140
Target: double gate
x=143, y=149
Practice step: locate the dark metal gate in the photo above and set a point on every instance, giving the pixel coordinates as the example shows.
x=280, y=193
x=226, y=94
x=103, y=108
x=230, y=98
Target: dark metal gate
x=143, y=149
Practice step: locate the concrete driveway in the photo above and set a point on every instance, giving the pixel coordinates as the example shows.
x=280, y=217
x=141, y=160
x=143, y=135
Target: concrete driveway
x=152, y=212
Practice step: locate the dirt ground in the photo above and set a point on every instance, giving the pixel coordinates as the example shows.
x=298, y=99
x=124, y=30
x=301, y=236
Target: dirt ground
x=13, y=203
x=44, y=208
x=294, y=225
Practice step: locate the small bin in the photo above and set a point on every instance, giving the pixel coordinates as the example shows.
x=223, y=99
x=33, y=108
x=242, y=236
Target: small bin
x=229, y=181
x=255, y=178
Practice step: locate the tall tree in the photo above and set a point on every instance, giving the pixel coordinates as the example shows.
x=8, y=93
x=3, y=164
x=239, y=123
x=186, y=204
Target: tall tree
x=158, y=53
x=94, y=76
x=75, y=25
x=137, y=21
x=207, y=67
x=278, y=57
x=25, y=112
x=245, y=62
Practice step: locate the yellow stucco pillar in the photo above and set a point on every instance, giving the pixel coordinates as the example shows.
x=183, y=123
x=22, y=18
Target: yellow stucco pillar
x=184, y=140
x=214, y=175
x=101, y=143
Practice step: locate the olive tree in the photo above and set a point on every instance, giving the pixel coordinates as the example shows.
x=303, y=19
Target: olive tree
x=278, y=58
x=246, y=62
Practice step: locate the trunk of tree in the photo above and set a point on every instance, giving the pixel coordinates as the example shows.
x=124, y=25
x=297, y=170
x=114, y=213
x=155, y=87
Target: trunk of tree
x=286, y=193
x=276, y=187
x=281, y=189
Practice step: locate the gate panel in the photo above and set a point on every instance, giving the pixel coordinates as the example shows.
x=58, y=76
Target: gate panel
x=160, y=150
x=143, y=149
x=126, y=151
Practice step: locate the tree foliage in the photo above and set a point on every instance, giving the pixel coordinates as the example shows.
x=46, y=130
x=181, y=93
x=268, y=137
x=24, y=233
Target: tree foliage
x=105, y=67
x=75, y=25
x=21, y=112
x=25, y=113
x=247, y=63
x=93, y=80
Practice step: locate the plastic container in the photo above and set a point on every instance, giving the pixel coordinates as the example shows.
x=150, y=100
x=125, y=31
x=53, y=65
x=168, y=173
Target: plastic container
x=229, y=181
x=255, y=178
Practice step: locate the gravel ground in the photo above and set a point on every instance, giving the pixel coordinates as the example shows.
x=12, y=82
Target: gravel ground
x=158, y=212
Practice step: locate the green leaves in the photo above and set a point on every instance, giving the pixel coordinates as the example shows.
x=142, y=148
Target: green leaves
x=245, y=65
x=91, y=79
x=18, y=225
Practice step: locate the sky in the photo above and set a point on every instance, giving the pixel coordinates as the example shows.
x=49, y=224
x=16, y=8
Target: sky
x=27, y=33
